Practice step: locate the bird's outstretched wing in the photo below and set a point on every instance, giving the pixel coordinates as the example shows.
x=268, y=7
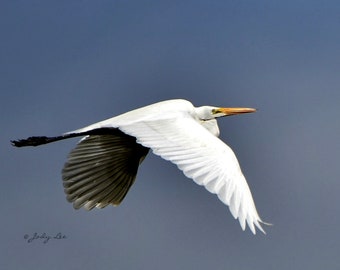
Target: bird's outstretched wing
x=101, y=169
x=202, y=157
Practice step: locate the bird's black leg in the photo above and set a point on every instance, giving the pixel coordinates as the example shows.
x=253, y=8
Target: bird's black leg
x=39, y=140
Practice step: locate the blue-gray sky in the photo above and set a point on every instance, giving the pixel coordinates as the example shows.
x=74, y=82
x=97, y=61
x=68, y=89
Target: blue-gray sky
x=67, y=64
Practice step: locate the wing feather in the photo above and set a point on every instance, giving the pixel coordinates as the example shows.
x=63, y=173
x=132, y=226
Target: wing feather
x=101, y=169
x=202, y=157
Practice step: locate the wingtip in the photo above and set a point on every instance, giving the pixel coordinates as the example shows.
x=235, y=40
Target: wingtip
x=258, y=225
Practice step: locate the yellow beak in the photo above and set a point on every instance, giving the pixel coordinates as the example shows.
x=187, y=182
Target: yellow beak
x=233, y=111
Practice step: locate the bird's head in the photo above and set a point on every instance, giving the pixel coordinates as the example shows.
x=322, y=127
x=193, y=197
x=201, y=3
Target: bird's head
x=209, y=112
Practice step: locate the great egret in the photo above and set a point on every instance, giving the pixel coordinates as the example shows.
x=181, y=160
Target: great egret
x=103, y=166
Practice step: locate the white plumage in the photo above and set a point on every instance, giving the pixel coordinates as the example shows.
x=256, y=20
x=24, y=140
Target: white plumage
x=102, y=168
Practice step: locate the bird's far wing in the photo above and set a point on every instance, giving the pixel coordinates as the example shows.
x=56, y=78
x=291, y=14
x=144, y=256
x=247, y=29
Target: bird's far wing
x=101, y=169
x=202, y=157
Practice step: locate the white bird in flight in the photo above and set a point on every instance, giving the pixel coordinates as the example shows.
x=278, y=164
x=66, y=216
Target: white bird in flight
x=102, y=167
